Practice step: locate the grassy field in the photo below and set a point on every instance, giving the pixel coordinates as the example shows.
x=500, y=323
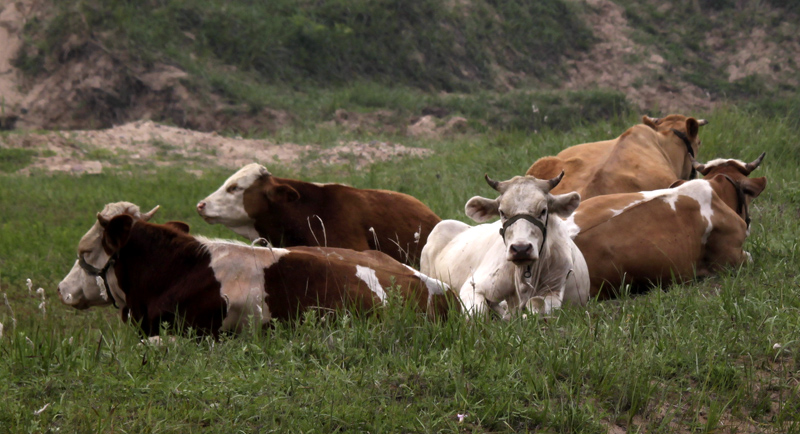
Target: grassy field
x=714, y=356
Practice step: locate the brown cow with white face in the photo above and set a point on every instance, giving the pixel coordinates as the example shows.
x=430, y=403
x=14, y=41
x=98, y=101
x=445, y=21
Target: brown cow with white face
x=163, y=274
x=672, y=235
x=648, y=156
x=255, y=204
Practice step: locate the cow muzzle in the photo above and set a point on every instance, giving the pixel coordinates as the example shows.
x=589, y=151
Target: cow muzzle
x=521, y=253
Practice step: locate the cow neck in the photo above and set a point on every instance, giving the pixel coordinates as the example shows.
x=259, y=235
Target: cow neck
x=536, y=222
x=102, y=273
x=689, y=149
x=287, y=224
x=149, y=258
x=742, y=210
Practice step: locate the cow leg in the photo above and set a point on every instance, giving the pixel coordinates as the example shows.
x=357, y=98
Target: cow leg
x=544, y=305
x=472, y=299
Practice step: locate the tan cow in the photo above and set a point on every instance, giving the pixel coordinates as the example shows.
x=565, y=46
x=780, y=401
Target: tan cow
x=648, y=156
x=672, y=235
x=254, y=203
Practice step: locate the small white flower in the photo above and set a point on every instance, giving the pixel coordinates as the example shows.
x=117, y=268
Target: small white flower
x=535, y=109
x=40, y=291
x=39, y=411
x=777, y=347
x=1, y=330
x=70, y=340
x=30, y=342
x=461, y=417
x=29, y=284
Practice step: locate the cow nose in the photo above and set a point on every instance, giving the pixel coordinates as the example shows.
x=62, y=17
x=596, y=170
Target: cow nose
x=201, y=206
x=521, y=250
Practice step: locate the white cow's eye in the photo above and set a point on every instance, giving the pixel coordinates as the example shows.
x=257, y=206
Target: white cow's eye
x=502, y=215
x=233, y=188
x=544, y=213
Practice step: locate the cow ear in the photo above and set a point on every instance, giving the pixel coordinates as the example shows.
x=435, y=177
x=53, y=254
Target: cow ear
x=482, y=209
x=692, y=127
x=677, y=183
x=179, y=226
x=118, y=231
x=752, y=187
x=282, y=193
x=563, y=205
x=650, y=122
x=102, y=220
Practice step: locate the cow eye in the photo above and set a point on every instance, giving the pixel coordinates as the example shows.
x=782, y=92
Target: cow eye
x=233, y=188
x=502, y=215
x=544, y=213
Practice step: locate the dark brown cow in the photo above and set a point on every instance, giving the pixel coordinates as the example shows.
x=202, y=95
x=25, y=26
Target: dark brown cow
x=254, y=204
x=648, y=156
x=160, y=274
x=690, y=230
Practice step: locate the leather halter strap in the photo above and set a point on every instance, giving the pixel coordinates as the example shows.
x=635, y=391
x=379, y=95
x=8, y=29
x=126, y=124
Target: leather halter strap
x=689, y=149
x=101, y=272
x=536, y=222
x=741, y=206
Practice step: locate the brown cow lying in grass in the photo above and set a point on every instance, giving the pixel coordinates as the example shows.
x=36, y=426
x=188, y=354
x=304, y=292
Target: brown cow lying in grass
x=160, y=273
x=672, y=235
x=648, y=156
x=287, y=212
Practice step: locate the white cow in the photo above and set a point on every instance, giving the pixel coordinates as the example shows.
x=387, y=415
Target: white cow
x=526, y=259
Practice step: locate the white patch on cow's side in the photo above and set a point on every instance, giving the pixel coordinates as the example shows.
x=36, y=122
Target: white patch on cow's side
x=323, y=184
x=240, y=270
x=436, y=287
x=700, y=190
x=371, y=279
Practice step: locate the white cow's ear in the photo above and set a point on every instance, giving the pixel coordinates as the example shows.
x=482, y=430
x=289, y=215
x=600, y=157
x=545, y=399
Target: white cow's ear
x=482, y=209
x=564, y=204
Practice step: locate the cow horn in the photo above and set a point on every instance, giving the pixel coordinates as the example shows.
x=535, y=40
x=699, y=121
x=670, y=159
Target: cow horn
x=752, y=166
x=148, y=215
x=653, y=120
x=554, y=182
x=697, y=165
x=702, y=122
x=492, y=183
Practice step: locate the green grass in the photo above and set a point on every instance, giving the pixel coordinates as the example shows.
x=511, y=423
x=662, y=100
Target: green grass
x=699, y=357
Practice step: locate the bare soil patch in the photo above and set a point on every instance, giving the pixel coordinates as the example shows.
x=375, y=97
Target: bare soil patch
x=147, y=142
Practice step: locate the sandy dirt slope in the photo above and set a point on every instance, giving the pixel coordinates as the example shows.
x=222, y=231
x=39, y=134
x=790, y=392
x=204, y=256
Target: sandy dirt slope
x=147, y=142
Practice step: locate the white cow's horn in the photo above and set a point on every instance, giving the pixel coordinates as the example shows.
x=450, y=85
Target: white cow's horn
x=492, y=183
x=554, y=182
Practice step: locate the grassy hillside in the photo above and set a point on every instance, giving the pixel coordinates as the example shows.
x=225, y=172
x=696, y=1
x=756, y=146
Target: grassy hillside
x=712, y=356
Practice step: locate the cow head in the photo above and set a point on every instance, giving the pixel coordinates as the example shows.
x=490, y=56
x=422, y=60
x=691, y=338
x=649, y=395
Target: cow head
x=80, y=288
x=246, y=194
x=524, y=207
x=736, y=172
x=681, y=130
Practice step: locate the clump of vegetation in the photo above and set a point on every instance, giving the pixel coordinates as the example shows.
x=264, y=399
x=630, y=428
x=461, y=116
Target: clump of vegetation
x=422, y=43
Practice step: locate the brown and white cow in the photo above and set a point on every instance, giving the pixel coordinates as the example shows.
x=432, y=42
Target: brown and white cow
x=671, y=235
x=287, y=212
x=648, y=156
x=526, y=259
x=85, y=290
x=160, y=273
